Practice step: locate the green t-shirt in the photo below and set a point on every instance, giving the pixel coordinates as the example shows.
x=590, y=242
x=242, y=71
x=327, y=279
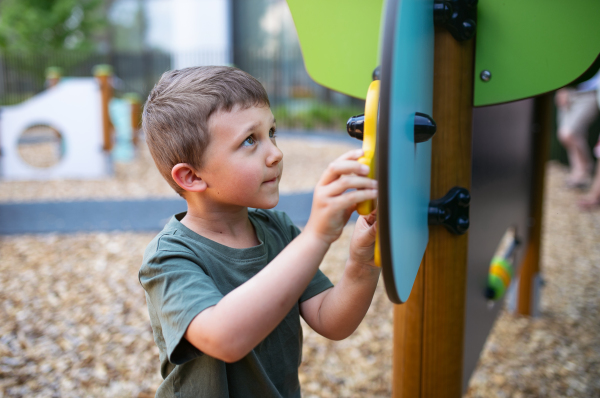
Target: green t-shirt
x=184, y=273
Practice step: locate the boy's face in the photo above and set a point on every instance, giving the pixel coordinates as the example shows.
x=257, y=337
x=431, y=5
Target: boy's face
x=242, y=164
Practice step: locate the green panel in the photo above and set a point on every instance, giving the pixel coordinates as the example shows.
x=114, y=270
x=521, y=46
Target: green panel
x=532, y=47
x=339, y=41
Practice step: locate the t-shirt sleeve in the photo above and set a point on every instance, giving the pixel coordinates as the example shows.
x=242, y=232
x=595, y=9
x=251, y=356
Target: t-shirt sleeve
x=320, y=282
x=178, y=289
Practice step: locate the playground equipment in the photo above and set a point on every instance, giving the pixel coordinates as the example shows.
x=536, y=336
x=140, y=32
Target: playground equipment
x=78, y=113
x=76, y=118
x=483, y=170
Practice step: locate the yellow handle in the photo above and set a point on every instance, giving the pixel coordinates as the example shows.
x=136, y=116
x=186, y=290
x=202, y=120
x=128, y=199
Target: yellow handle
x=369, y=141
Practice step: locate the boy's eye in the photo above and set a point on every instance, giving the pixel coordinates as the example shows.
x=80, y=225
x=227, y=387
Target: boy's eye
x=273, y=132
x=249, y=141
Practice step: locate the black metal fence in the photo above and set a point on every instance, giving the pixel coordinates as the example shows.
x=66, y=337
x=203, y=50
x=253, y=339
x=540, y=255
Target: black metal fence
x=297, y=101
x=23, y=76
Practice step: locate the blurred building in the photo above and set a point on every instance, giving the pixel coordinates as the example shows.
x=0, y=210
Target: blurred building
x=257, y=36
x=145, y=38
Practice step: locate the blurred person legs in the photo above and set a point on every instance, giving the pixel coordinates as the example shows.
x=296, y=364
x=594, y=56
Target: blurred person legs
x=576, y=111
x=592, y=198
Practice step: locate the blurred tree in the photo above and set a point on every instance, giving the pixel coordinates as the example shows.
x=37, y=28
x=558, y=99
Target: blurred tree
x=40, y=26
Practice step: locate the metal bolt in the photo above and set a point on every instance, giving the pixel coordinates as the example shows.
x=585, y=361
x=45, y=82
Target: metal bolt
x=468, y=29
x=486, y=75
x=377, y=73
x=464, y=199
x=462, y=224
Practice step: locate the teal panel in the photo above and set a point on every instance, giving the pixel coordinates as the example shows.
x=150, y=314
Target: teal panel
x=532, y=47
x=409, y=164
x=339, y=41
x=120, y=116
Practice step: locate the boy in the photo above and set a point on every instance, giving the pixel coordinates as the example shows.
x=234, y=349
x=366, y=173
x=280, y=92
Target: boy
x=225, y=285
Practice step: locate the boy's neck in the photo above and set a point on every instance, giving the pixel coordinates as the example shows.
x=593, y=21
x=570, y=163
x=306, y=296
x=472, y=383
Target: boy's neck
x=228, y=226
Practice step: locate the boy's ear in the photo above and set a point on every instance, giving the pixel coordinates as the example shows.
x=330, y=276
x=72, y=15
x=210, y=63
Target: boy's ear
x=186, y=177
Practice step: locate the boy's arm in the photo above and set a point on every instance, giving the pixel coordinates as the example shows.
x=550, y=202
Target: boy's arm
x=337, y=312
x=244, y=317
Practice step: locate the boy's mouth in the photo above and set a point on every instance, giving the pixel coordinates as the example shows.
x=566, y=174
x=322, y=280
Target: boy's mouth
x=271, y=180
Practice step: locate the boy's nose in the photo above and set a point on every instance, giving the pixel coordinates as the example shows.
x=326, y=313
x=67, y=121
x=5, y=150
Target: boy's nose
x=275, y=156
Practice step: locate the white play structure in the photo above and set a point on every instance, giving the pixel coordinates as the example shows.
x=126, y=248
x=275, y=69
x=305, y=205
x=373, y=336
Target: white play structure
x=92, y=127
x=73, y=108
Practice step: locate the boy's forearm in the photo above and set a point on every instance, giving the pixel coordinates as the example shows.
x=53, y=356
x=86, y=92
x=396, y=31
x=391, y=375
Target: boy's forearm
x=245, y=316
x=344, y=306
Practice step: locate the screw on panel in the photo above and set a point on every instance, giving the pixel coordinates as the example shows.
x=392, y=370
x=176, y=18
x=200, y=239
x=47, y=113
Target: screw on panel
x=486, y=75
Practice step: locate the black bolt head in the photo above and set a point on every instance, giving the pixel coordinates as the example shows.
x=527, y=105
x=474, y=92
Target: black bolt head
x=464, y=199
x=377, y=73
x=462, y=225
x=468, y=29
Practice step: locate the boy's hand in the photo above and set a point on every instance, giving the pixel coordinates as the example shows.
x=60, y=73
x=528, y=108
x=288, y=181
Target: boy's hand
x=362, y=245
x=337, y=312
x=332, y=205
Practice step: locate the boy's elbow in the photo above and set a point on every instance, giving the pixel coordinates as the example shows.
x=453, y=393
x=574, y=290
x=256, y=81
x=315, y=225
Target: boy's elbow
x=337, y=336
x=215, y=341
x=226, y=351
x=232, y=358
x=232, y=354
x=337, y=333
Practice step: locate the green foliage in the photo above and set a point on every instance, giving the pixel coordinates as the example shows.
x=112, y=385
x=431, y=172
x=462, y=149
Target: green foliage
x=36, y=34
x=317, y=116
x=42, y=26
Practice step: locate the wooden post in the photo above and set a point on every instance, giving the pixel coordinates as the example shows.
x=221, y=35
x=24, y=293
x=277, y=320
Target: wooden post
x=104, y=75
x=53, y=75
x=429, y=327
x=530, y=267
x=136, y=116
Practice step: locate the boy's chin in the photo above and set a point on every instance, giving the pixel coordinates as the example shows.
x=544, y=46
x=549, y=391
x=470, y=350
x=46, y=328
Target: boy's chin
x=267, y=204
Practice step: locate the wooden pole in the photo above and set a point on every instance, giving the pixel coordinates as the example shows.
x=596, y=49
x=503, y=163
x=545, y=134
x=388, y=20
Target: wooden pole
x=53, y=75
x=530, y=267
x=136, y=116
x=429, y=327
x=136, y=113
x=104, y=75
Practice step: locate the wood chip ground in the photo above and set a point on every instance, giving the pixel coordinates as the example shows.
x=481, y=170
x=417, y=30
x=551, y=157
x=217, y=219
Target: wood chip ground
x=74, y=321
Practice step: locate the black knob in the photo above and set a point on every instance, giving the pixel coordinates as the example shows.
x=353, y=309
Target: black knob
x=356, y=126
x=377, y=73
x=425, y=127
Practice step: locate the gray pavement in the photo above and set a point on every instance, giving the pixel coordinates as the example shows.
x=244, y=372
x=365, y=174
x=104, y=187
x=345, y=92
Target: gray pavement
x=129, y=215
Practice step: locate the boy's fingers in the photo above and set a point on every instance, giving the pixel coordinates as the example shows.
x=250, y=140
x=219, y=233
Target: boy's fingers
x=346, y=182
x=351, y=155
x=371, y=218
x=372, y=229
x=341, y=167
x=353, y=197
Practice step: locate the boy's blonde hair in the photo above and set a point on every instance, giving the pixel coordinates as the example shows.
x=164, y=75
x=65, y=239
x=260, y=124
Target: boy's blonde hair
x=176, y=114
